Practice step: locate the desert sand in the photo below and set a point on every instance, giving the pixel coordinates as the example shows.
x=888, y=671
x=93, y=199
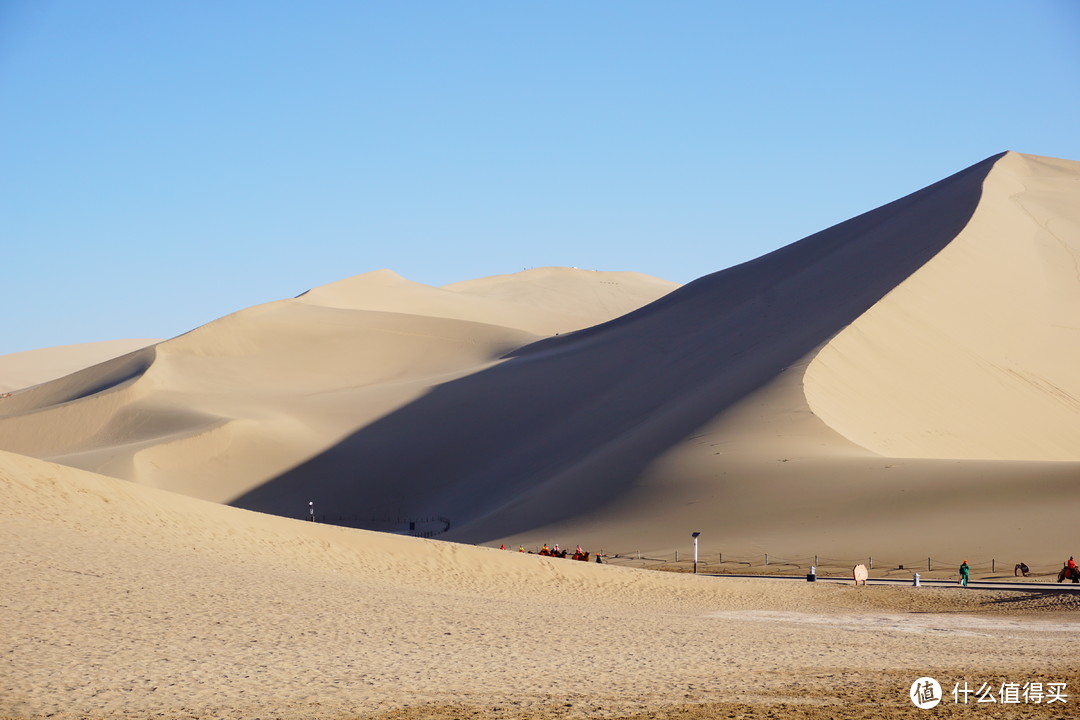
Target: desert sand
x=33, y=367
x=900, y=387
x=122, y=601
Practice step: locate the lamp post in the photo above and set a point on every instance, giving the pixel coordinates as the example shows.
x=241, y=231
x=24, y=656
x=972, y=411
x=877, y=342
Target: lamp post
x=311, y=510
x=695, y=536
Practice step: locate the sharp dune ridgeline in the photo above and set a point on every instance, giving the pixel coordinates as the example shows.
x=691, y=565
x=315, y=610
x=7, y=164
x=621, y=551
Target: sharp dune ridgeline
x=900, y=385
x=916, y=362
x=33, y=367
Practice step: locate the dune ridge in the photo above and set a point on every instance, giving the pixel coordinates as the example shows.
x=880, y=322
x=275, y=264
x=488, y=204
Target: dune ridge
x=875, y=363
x=32, y=367
x=232, y=404
x=897, y=386
x=692, y=412
x=975, y=355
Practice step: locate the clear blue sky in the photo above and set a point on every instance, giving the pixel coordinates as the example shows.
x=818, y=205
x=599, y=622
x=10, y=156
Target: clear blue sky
x=166, y=163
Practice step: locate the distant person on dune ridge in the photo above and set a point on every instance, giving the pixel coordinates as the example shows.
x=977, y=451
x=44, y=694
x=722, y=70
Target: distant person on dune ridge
x=965, y=573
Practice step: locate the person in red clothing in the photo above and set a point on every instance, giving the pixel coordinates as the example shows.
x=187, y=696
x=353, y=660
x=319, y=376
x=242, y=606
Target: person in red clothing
x=1071, y=564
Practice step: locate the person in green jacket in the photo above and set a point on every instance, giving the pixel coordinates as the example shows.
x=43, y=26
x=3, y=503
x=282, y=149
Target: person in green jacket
x=965, y=573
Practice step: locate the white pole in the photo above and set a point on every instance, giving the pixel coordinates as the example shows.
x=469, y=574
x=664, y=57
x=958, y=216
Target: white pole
x=695, y=554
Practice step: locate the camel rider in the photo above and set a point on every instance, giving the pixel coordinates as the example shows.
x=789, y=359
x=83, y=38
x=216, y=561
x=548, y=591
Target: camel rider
x=965, y=573
x=1071, y=564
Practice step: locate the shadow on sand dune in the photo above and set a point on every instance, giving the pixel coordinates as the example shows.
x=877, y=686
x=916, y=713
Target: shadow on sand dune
x=567, y=423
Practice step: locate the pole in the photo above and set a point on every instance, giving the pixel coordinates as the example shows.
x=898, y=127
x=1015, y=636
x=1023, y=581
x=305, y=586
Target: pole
x=695, y=555
x=311, y=510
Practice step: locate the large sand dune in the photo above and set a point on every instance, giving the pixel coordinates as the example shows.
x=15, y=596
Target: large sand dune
x=240, y=400
x=901, y=384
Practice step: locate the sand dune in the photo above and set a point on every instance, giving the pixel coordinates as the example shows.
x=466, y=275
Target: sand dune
x=900, y=385
x=32, y=367
x=914, y=362
x=230, y=405
x=122, y=601
x=976, y=354
x=691, y=413
x=544, y=301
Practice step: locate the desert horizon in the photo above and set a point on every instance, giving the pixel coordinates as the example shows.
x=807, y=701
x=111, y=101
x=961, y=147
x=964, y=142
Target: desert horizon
x=899, y=390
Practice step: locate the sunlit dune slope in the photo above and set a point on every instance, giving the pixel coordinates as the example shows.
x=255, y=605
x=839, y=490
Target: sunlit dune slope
x=236, y=402
x=900, y=383
x=690, y=412
x=32, y=367
x=977, y=355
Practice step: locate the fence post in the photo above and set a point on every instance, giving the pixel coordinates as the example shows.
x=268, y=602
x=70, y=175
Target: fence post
x=766, y=558
x=816, y=563
x=928, y=566
x=871, y=563
x=993, y=565
x=676, y=556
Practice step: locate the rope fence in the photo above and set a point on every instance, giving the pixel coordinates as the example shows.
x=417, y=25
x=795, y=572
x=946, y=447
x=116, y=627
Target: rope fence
x=826, y=566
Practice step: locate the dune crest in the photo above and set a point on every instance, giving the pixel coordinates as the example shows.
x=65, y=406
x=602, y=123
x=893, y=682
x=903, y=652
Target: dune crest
x=232, y=404
x=33, y=367
x=974, y=356
x=920, y=350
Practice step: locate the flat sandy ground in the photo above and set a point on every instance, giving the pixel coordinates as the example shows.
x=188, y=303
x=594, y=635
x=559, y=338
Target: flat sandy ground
x=125, y=602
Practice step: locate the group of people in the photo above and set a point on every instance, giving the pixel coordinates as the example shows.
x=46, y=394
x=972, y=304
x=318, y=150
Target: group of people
x=556, y=551
x=1069, y=571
